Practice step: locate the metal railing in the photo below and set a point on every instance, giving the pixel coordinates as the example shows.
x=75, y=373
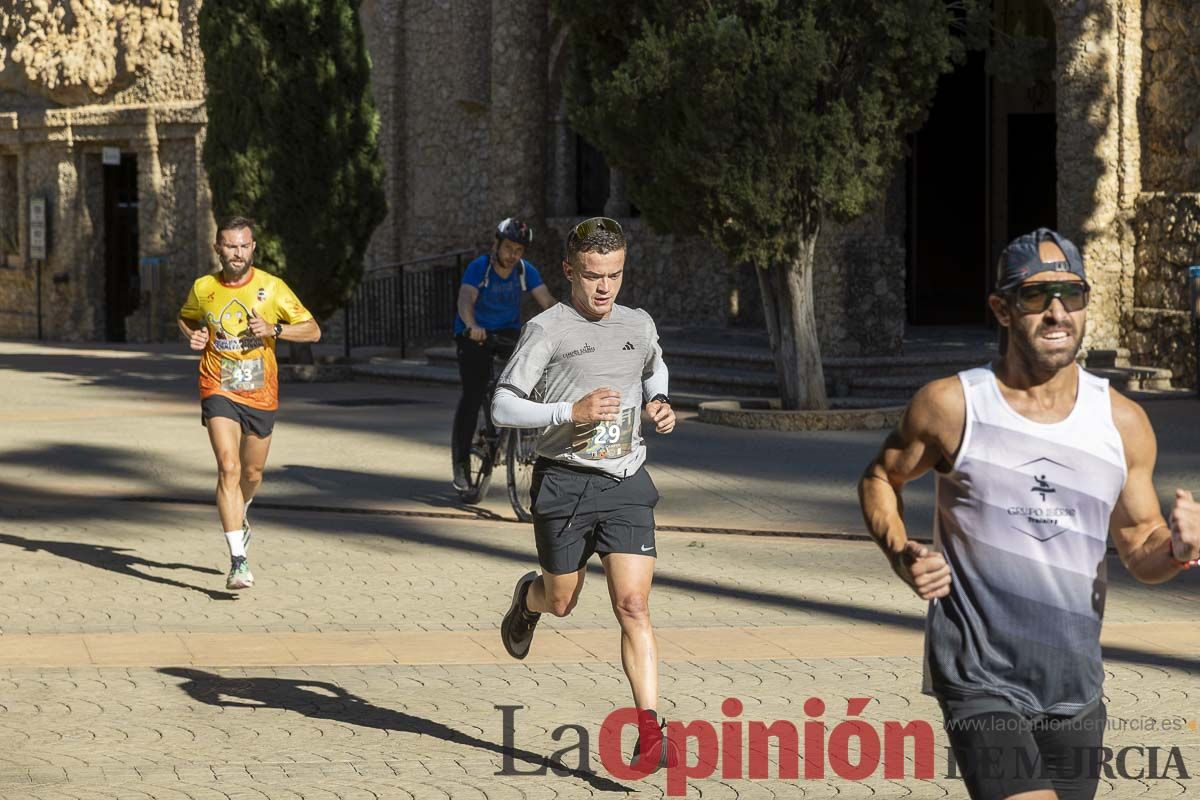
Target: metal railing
x=406, y=302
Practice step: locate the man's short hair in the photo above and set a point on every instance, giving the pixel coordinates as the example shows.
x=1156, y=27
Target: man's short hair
x=601, y=239
x=234, y=223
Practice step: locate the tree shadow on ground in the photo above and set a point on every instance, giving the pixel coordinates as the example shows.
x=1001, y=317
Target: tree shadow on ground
x=324, y=700
x=114, y=559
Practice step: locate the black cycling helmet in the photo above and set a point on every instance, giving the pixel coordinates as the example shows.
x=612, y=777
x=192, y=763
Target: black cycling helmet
x=515, y=231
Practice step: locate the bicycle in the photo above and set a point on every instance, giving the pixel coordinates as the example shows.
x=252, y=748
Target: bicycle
x=513, y=447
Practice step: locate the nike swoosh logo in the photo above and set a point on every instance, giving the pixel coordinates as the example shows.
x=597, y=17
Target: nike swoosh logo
x=647, y=549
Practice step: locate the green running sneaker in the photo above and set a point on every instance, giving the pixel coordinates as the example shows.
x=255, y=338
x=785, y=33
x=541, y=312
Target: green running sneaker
x=239, y=574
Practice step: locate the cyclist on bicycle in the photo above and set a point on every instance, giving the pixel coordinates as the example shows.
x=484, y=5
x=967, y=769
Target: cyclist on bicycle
x=489, y=307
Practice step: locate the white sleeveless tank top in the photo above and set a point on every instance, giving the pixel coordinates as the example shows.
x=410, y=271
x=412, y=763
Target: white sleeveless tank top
x=1022, y=519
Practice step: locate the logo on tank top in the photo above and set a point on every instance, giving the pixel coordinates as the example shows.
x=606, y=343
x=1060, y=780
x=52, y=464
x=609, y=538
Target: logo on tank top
x=587, y=348
x=1045, y=520
x=1043, y=486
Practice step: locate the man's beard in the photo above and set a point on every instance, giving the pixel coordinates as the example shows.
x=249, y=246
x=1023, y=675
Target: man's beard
x=228, y=265
x=1041, y=362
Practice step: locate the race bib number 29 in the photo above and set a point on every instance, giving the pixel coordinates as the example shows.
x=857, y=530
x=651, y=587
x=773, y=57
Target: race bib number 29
x=612, y=439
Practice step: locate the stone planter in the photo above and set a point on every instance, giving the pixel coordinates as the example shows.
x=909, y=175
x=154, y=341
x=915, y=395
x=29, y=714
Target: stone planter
x=766, y=415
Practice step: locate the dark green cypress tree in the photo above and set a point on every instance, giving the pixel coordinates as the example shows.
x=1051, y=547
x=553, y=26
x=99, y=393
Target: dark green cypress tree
x=292, y=137
x=750, y=122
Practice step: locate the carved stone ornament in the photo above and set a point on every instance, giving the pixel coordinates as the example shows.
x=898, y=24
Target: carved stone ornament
x=77, y=51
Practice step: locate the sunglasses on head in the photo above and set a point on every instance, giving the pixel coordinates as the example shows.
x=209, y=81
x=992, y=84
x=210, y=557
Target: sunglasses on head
x=590, y=226
x=1033, y=298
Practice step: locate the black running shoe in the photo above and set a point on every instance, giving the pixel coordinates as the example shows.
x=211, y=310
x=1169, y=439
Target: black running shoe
x=516, y=631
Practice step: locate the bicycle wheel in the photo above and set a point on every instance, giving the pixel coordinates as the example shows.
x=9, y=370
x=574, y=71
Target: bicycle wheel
x=520, y=457
x=479, y=475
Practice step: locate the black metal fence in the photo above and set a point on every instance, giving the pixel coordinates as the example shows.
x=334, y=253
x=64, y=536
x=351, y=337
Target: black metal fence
x=406, y=303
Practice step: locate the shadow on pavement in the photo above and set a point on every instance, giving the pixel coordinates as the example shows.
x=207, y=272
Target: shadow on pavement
x=114, y=559
x=47, y=506
x=81, y=459
x=323, y=700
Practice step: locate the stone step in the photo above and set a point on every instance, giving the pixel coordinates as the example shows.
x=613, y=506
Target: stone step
x=875, y=386
x=412, y=371
x=724, y=380
x=1100, y=359
x=692, y=400
x=405, y=371
x=895, y=387
x=1122, y=378
x=842, y=374
x=758, y=360
x=1135, y=378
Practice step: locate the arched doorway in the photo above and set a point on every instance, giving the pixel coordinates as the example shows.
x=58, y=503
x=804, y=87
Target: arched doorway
x=981, y=171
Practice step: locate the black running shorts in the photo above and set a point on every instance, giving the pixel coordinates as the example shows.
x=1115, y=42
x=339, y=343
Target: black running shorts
x=1002, y=753
x=255, y=422
x=577, y=512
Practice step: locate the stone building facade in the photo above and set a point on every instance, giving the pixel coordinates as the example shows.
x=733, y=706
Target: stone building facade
x=475, y=129
x=82, y=84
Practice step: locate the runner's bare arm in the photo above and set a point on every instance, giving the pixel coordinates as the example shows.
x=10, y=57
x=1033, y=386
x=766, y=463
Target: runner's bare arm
x=195, y=331
x=543, y=297
x=306, y=331
x=929, y=433
x=1148, y=545
x=467, y=295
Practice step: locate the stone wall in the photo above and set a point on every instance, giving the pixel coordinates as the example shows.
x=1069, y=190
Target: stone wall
x=1167, y=218
x=859, y=276
x=127, y=75
x=679, y=281
x=72, y=53
x=1170, y=96
x=1096, y=151
x=1160, y=331
x=479, y=133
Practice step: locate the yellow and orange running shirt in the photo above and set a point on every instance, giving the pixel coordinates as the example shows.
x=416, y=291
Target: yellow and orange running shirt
x=237, y=364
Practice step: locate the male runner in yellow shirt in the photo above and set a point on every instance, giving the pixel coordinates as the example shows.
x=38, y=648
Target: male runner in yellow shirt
x=236, y=316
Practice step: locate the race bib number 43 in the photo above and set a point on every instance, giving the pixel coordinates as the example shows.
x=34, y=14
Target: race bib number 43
x=612, y=439
x=241, y=375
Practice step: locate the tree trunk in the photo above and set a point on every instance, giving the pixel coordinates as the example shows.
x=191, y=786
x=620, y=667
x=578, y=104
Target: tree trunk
x=791, y=323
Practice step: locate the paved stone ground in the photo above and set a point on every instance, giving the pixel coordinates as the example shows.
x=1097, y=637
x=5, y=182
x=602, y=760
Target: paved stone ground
x=234, y=711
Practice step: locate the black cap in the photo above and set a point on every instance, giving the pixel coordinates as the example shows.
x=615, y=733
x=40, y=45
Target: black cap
x=1021, y=260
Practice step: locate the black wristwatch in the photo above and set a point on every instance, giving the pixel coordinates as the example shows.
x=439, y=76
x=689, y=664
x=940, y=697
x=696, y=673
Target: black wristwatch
x=660, y=398
x=278, y=329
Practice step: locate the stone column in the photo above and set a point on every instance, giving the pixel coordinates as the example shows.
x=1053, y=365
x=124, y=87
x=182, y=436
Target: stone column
x=518, y=112
x=382, y=33
x=617, y=204
x=1089, y=166
x=55, y=177
x=560, y=182
x=471, y=23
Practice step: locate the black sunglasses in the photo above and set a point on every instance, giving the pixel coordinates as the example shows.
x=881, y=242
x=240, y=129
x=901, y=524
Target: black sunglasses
x=590, y=226
x=1034, y=298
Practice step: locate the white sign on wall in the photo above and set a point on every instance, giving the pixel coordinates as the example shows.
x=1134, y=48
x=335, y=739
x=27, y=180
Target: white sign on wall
x=111, y=156
x=37, y=228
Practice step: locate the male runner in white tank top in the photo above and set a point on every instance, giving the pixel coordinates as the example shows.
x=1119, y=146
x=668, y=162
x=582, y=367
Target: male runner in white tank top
x=1037, y=463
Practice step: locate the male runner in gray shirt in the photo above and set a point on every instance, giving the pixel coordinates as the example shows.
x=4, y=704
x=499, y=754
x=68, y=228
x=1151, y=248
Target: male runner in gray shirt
x=582, y=371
